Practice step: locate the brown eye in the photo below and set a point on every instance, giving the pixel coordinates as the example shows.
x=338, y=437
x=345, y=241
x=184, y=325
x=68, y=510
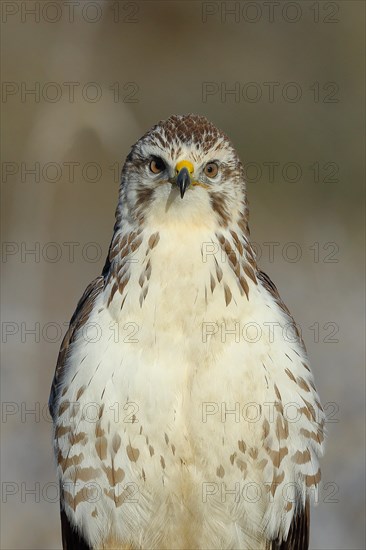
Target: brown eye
x=157, y=165
x=211, y=169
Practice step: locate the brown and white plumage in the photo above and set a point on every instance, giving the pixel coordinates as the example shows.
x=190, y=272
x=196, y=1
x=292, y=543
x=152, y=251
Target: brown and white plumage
x=151, y=449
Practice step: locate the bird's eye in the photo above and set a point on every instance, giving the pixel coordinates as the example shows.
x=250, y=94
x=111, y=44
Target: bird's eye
x=211, y=169
x=157, y=165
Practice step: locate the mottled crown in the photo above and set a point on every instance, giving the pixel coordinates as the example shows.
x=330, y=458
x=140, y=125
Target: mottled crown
x=184, y=134
x=191, y=129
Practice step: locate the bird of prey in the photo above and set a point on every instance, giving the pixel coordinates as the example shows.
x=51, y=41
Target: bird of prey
x=185, y=412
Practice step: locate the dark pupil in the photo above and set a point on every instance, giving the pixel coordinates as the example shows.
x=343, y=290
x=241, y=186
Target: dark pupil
x=159, y=164
x=210, y=169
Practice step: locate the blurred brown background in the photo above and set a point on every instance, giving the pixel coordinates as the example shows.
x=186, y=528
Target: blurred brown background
x=102, y=73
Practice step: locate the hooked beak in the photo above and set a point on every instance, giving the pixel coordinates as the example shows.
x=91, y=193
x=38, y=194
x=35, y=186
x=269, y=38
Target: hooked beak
x=184, y=169
x=183, y=181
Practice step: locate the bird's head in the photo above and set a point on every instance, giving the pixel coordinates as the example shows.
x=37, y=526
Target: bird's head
x=183, y=170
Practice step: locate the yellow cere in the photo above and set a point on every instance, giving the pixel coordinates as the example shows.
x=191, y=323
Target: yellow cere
x=187, y=164
x=184, y=164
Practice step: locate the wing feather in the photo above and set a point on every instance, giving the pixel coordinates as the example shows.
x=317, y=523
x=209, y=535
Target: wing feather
x=298, y=536
x=80, y=316
x=272, y=289
x=71, y=539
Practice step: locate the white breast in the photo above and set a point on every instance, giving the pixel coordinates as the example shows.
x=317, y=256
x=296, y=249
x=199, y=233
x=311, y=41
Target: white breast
x=181, y=418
